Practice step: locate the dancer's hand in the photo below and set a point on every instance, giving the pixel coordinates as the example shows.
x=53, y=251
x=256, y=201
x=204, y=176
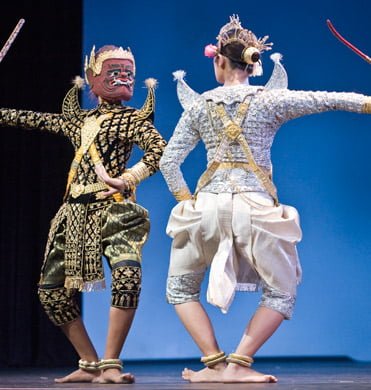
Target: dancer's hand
x=115, y=184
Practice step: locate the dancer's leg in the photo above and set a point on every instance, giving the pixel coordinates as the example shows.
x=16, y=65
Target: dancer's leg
x=261, y=327
x=198, y=325
x=77, y=335
x=120, y=321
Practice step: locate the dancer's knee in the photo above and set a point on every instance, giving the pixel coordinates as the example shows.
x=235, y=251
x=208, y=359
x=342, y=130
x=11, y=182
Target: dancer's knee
x=59, y=304
x=126, y=284
x=184, y=288
x=279, y=301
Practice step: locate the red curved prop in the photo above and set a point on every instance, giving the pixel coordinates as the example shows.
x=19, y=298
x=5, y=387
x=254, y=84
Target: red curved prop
x=347, y=43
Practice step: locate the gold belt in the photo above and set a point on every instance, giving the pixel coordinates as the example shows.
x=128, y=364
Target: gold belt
x=80, y=189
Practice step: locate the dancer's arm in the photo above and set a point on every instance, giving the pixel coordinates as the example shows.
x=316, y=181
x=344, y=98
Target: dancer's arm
x=183, y=141
x=294, y=104
x=31, y=120
x=152, y=143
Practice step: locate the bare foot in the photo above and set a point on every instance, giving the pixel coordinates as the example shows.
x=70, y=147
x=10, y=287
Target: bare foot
x=207, y=374
x=78, y=376
x=235, y=373
x=113, y=375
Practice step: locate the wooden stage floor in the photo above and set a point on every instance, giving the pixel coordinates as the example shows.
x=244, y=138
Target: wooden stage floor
x=293, y=374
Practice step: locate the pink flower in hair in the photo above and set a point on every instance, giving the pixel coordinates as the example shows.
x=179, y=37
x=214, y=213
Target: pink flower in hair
x=210, y=51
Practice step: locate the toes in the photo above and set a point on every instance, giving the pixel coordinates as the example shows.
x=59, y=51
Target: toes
x=271, y=378
x=117, y=379
x=186, y=373
x=65, y=379
x=127, y=378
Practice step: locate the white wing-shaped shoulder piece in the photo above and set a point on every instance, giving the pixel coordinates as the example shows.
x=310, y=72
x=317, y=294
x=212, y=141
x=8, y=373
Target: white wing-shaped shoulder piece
x=186, y=95
x=278, y=79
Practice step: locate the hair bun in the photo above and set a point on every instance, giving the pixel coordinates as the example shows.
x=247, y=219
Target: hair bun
x=250, y=55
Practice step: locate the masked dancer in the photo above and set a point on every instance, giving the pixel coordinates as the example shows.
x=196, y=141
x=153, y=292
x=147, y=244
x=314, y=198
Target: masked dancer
x=99, y=215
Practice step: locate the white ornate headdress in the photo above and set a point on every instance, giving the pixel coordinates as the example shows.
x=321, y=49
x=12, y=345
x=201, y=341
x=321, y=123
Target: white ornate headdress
x=242, y=35
x=253, y=47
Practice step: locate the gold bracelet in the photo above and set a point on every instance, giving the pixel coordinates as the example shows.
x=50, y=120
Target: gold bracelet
x=139, y=172
x=129, y=178
x=367, y=106
x=182, y=194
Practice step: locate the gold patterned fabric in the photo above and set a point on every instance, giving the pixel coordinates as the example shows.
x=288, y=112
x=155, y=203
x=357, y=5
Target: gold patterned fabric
x=122, y=229
x=82, y=232
x=126, y=284
x=114, y=142
x=59, y=305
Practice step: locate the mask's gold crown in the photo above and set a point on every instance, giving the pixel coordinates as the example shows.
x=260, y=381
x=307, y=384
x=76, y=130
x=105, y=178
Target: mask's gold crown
x=233, y=31
x=95, y=63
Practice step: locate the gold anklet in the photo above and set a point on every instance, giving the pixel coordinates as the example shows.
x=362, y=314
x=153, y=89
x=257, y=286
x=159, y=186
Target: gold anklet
x=242, y=360
x=89, y=366
x=105, y=364
x=212, y=360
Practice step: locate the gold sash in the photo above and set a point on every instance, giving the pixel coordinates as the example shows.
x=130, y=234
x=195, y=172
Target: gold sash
x=89, y=131
x=232, y=131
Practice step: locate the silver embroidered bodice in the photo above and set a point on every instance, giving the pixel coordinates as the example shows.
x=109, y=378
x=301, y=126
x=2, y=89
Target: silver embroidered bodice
x=268, y=110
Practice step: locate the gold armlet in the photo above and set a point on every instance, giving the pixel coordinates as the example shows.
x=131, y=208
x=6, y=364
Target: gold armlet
x=139, y=172
x=182, y=194
x=367, y=106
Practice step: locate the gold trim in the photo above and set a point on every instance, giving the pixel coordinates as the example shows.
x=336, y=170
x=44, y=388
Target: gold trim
x=148, y=107
x=138, y=172
x=71, y=106
x=367, y=106
x=95, y=64
x=79, y=189
x=264, y=178
x=89, y=131
x=127, y=256
x=234, y=165
x=182, y=194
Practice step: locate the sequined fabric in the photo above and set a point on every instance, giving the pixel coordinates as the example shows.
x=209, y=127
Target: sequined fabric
x=184, y=288
x=268, y=110
x=277, y=300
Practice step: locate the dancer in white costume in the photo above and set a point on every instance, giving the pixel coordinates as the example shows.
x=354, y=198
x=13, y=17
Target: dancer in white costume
x=234, y=222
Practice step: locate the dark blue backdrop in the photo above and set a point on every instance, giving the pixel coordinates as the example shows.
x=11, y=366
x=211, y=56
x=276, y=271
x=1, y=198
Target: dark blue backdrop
x=321, y=166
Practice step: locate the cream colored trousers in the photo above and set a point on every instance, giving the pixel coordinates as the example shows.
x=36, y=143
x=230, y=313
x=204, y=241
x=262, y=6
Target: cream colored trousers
x=245, y=240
